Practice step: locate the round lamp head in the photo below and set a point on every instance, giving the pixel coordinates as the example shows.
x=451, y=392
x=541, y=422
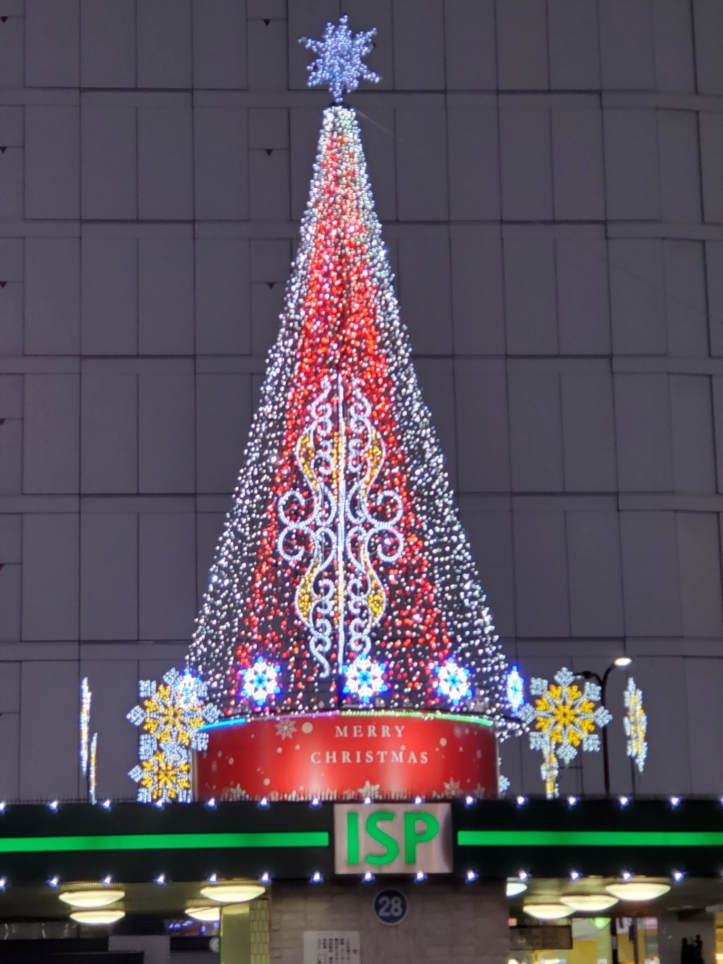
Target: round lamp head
x=211, y=915
x=108, y=916
x=637, y=890
x=551, y=911
x=515, y=887
x=89, y=899
x=622, y=661
x=589, y=902
x=233, y=892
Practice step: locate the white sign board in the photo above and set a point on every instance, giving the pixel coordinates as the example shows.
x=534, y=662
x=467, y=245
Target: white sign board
x=392, y=838
x=332, y=947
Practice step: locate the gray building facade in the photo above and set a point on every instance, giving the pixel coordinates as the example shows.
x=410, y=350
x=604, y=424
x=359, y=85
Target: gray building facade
x=549, y=174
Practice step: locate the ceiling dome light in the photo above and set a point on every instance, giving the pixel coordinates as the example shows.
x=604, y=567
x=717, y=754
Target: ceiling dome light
x=515, y=887
x=108, y=916
x=637, y=890
x=210, y=914
x=589, y=902
x=91, y=898
x=547, y=911
x=233, y=893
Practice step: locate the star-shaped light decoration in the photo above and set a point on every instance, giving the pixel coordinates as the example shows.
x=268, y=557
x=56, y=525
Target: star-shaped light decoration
x=339, y=66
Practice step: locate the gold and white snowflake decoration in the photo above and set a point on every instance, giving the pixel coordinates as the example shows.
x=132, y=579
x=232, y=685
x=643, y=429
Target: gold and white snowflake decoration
x=636, y=725
x=171, y=716
x=174, y=712
x=165, y=777
x=565, y=718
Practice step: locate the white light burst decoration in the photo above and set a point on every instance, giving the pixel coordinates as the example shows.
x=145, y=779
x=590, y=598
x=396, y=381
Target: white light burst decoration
x=636, y=725
x=340, y=66
x=365, y=678
x=85, y=699
x=260, y=681
x=565, y=718
x=453, y=682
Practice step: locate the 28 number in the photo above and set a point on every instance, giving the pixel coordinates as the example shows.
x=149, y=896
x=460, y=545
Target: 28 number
x=390, y=907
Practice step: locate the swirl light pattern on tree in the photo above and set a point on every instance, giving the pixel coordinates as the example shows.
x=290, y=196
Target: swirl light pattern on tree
x=340, y=527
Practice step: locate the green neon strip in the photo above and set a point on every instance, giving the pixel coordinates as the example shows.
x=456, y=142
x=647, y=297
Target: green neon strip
x=164, y=841
x=371, y=714
x=588, y=838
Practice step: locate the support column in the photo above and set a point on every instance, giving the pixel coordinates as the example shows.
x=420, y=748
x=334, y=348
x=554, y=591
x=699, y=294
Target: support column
x=245, y=933
x=236, y=934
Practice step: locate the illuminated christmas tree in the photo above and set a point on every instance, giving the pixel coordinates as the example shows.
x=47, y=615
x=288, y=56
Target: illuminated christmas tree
x=343, y=577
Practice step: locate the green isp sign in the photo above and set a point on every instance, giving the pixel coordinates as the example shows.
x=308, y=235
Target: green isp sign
x=392, y=838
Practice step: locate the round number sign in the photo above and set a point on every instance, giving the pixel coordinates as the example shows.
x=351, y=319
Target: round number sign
x=390, y=906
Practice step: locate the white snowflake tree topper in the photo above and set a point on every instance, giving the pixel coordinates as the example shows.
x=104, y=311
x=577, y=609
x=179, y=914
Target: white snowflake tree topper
x=339, y=65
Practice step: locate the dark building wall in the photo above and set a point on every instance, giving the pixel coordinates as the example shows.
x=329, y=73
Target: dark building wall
x=549, y=178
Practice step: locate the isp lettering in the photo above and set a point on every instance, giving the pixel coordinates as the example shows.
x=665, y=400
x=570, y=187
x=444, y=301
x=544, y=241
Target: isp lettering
x=412, y=833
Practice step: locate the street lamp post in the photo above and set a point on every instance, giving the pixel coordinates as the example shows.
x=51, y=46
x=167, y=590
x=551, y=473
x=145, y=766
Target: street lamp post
x=620, y=663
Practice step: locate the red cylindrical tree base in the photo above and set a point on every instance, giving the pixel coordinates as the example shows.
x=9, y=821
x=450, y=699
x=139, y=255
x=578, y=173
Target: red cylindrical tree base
x=385, y=755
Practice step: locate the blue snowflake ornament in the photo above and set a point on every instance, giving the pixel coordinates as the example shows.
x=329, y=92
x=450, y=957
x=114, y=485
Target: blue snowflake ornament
x=365, y=678
x=339, y=66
